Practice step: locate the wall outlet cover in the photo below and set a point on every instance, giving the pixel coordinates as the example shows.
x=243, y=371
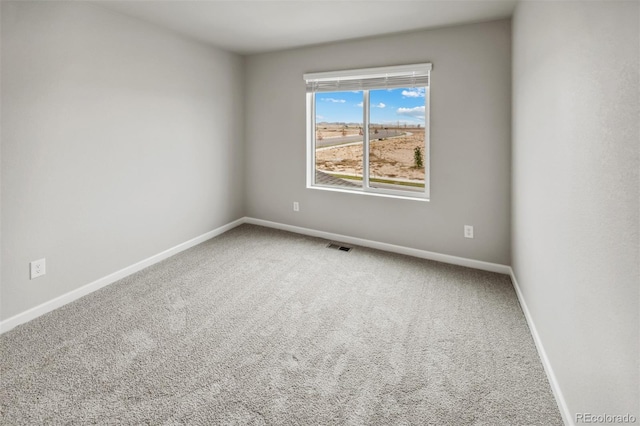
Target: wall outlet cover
x=38, y=268
x=468, y=231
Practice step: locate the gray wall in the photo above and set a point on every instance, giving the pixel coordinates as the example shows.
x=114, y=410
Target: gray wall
x=575, y=193
x=119, y=141
x=470, y=142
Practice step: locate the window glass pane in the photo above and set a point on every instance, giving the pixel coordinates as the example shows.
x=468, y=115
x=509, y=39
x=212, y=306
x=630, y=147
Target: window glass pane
x=397, y=155
x=338, y=138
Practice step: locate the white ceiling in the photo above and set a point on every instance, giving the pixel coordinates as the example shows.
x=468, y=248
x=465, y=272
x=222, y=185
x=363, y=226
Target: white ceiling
x=265, y=25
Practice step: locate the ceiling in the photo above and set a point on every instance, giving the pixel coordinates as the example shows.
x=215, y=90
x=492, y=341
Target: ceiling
x=256, y=26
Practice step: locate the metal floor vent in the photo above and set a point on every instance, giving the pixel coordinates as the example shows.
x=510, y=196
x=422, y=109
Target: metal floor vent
x=339, y=247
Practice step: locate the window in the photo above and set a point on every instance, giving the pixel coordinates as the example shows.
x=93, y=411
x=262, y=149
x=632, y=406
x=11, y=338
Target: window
x=368, y=130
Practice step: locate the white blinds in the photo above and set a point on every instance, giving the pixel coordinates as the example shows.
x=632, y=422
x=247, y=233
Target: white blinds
x=369, y=78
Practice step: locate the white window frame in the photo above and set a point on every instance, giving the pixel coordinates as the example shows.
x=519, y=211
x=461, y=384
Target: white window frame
x=357, y=74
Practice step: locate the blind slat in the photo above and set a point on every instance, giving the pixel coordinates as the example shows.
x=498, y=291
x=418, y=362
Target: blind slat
x=371, y=78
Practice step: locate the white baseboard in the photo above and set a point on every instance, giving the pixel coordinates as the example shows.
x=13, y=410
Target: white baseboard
x=62, y=300
x=445, y=258
x=50, y=305
x=553, y=382
x=59, y=301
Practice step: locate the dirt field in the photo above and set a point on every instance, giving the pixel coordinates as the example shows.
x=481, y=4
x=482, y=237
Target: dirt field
x=326, y=131
x=390, y=158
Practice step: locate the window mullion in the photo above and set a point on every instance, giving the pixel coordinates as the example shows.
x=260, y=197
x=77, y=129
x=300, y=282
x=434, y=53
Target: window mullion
x=311, y=150
x=365, y=140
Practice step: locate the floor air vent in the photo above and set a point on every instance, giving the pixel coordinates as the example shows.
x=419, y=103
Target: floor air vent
x=338, y=247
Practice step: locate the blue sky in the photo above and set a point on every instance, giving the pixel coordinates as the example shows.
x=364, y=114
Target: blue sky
x=405, y=105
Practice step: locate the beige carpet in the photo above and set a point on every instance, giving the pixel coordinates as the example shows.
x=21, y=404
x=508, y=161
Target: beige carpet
x=264, y=327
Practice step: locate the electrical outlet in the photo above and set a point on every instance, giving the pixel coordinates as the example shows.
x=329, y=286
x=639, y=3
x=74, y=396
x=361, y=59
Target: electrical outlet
x=296, y=206
x=38, y=268
x=468, y=231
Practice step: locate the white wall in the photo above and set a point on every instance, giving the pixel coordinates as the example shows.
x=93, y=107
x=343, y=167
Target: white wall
x=119, y=140
x=470, y=142
x=575, y=193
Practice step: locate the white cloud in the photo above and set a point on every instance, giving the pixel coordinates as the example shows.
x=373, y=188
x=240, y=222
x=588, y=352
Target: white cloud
x=320, y=117
x=418, y=92
x=417, y=112
x=380, y=105
x=334, y=100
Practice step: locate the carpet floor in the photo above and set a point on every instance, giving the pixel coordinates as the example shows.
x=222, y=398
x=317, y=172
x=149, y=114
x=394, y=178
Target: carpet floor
x=265, y=327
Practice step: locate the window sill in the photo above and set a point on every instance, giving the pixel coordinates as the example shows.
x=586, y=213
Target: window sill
x=421, y=198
